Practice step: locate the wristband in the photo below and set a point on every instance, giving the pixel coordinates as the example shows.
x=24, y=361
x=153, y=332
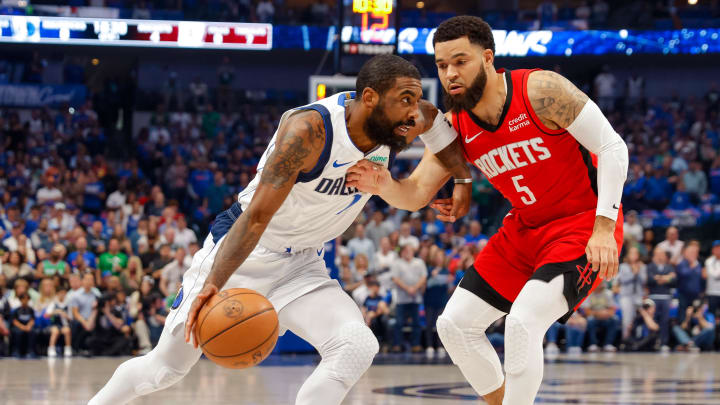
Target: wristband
x=440, y=135
x=463, y=181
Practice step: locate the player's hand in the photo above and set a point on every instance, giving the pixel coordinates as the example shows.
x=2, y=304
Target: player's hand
x=368, y=177
x=602, y=251
x=208, y=291
x=451, y=209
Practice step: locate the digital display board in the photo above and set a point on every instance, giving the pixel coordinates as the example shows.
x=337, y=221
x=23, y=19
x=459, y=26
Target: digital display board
x=146, y=33
x=369, y=26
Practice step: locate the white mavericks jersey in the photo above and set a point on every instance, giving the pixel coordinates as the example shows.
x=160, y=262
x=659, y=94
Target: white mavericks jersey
x=320, y=207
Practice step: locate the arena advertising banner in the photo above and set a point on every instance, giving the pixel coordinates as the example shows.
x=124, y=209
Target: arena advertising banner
x=378, y=31
x=145, y=33
x=568, y=43
x=28, y=95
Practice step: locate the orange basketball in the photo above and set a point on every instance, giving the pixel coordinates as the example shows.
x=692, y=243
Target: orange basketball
x=237, y=328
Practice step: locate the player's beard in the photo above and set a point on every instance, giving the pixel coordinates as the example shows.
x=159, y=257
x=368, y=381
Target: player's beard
x=469, y=98
x=381, y=130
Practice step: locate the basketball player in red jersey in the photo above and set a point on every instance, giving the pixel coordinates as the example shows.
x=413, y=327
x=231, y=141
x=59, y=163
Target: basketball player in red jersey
x=550, y=151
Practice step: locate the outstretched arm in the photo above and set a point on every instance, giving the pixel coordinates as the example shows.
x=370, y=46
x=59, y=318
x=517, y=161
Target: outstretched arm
x=298, y=146
x=433, y=171
x=559, y=104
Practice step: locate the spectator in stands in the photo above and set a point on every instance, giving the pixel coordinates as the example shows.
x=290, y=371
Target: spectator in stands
x=20, y=287
x=383, y=261
x=661, y=279
x=49, y=193
x=672, y=245
x=361, y=244
x=59, y=315
x=184, y=236
x=657, y=190
x=715, y=176
x=96, y=237
x=436, y=296
x=265, y=11
x=112, y=336
x=406, y=238
x=632, y=230
x=377, y=228
x=680, y=199
x=605, y=89
x=644, y=332
x=225, y=76
x=94, y=194
x=695, y=181
x=23, y=335
x=40, y=238
x=61, y=220
x=54, y=266
x=711, y=273
x=198, y=94
x=409, y=275
x=83, y=305
x=600, y=310
x=138, y=309
x=574, y=329
x=216, y=192
x=629, y=285
x=547, y=13
x=635, y=90
x=81, y=252
x=18, y=242
x=474, y=234
x=15, y=266
x=112, y=262
x=172, y=273
x=689, y=278
x=697, y=330
x=375, y=312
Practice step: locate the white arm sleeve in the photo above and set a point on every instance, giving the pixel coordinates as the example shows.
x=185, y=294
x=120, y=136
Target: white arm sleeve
x=593, y=131
x=440, y=135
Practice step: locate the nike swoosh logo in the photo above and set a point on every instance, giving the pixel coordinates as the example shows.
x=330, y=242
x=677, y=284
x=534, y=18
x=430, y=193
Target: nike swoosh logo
x=336, y=164
x=356, y=198
x=468, y=140
x=614, y=206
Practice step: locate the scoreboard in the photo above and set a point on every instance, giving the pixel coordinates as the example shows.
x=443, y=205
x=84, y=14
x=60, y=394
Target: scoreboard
x=369, y=27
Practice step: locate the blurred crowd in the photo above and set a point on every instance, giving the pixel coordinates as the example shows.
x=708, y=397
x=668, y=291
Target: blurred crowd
x=94, y=249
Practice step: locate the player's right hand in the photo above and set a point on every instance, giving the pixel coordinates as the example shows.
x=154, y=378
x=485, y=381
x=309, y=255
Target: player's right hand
x=208, y=291
x=368, y=177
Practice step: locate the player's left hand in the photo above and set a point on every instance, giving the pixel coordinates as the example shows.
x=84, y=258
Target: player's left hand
x=368, y=177
x=602, y=252
x=208, y=291
x=450, y=209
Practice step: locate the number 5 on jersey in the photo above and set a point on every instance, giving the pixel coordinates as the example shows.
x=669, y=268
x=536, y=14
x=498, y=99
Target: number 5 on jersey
x=530, y=199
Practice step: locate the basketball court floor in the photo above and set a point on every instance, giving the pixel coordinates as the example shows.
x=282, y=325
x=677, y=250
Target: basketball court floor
x=609, y=379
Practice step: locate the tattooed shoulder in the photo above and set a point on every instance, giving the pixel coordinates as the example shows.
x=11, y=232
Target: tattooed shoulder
x=556, y=101
x=298, y=146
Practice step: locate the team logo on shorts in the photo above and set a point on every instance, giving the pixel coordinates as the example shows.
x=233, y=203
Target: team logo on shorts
x=178, y=299
x=584, y=278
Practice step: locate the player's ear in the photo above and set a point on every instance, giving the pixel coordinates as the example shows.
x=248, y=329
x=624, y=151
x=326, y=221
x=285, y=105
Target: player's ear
x=488, y=57
x=370, y=97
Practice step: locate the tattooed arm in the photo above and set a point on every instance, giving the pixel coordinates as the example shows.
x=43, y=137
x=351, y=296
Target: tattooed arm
x=556, y=101
x=298, y=146
x=559, y=104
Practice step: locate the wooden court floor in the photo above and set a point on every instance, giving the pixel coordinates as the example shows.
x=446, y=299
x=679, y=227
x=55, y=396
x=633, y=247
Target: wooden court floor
x=613, y=379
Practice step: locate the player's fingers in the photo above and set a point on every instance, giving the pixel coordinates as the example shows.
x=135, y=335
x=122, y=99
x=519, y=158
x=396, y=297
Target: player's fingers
x=352, y=177
x=595, y=259
x=615, y=262
x=446, y=218
x=604, y=263
x=190, y=322
x=447, y=201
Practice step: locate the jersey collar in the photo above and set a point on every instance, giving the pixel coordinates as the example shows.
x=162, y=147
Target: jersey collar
x=508, y=99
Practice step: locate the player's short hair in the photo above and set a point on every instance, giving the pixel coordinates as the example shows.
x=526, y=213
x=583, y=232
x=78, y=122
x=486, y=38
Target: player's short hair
x=475, y=28
x=380, y=72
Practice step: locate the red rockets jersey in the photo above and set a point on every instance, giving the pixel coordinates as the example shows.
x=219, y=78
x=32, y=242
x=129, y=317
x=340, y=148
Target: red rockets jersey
x=545, y=174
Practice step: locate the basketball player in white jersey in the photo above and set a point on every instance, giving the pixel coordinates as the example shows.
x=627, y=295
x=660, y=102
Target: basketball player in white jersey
x=271, y=239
